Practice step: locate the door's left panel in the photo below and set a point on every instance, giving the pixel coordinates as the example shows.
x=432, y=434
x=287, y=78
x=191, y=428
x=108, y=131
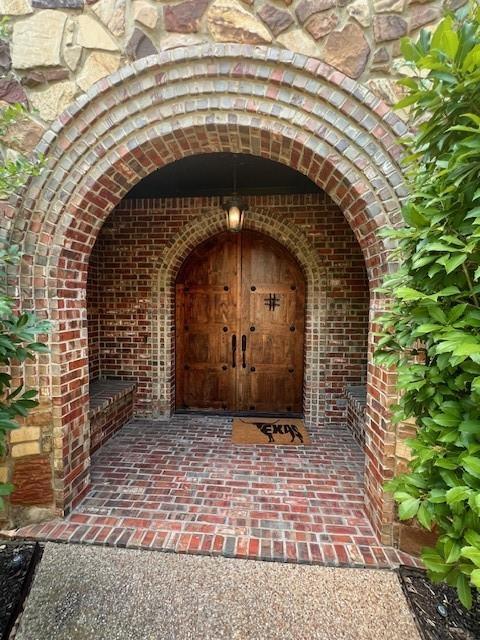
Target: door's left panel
x=206, y=327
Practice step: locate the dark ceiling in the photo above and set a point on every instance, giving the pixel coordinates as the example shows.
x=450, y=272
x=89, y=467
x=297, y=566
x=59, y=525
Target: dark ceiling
x=211, y=174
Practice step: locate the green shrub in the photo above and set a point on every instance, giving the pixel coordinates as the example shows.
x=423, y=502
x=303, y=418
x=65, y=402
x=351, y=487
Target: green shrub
x=431, y=331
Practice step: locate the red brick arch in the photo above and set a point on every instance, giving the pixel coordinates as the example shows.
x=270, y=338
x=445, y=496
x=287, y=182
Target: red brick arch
x=263, y=101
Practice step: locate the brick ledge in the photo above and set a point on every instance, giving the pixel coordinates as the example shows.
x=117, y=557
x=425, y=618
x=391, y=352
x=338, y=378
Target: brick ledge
x=103, y=393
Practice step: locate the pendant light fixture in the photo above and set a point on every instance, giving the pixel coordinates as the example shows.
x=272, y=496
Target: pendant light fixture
x=234, y=206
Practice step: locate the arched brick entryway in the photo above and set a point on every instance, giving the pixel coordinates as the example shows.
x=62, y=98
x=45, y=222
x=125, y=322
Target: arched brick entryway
x=256, y=100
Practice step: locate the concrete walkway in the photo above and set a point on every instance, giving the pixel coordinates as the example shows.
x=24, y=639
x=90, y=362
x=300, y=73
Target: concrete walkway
x=85, y=592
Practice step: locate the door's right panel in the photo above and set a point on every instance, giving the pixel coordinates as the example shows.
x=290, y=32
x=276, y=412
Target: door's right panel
x=272, y=323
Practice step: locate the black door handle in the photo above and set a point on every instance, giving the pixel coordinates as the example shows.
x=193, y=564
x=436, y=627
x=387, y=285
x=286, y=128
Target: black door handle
x=244, y=348
x=234, y=349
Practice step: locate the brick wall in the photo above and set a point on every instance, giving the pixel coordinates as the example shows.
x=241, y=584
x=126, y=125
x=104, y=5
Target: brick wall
x=124, y=263
x=356, y=404
x=94, y=316
x=111, y=406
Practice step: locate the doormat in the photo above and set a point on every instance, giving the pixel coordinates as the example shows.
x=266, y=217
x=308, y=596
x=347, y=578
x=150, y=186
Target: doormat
x=269, y=431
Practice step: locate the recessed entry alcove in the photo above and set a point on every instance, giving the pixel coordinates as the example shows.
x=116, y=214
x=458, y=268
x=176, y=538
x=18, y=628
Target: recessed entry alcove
x=174, y=299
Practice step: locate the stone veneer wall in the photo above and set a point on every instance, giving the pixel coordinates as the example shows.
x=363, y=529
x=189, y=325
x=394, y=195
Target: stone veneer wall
x=60, y=48
x=125, y=264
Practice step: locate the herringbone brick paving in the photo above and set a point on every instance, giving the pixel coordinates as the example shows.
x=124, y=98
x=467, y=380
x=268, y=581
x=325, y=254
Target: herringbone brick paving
x=183, y=486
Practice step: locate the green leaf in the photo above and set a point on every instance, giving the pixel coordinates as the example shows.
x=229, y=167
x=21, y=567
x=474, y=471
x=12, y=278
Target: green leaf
x=458, y=494
x=445, y=420
x=435, y=563
x=6, y=488
x=472, y=537
x=437, y=496
x=424, y=516
x=8, y=424
x=464, y=591
x=408, y=508
x=472, y=59
x=455, y=262
x=470, y=426
x=472, y=554
x=472, y=465
x=453, y=551
x=475, y=578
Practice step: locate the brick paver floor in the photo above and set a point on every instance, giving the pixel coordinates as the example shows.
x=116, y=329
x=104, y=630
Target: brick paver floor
x=183, y=486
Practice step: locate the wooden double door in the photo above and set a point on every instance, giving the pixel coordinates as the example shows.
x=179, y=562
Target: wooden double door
x=240, y=327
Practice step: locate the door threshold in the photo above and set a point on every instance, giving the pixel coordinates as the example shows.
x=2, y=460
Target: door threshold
x=236, y=414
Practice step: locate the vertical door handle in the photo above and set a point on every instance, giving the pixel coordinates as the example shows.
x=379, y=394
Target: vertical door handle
x=234, y=349
x=244, y=348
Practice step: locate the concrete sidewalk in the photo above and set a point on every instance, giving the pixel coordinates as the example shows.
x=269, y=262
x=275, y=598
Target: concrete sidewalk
x=87, y=592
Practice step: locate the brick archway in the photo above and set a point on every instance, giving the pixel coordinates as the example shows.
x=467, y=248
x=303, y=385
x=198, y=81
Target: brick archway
x=191, y=235
x=263, y=101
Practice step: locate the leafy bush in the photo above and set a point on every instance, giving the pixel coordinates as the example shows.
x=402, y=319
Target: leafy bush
x=15, y=172
x=431, y=331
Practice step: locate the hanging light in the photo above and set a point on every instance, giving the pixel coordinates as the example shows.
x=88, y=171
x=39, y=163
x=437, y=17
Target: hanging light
x=234, y=207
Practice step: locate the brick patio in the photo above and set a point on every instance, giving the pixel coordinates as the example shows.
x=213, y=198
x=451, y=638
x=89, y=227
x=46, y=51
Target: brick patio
x=182, y=486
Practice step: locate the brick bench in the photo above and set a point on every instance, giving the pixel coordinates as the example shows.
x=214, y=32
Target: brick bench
x=356, y=406
x=111, y=406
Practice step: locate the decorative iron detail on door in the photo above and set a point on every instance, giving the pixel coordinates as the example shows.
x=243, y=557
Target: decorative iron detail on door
x=272, y=302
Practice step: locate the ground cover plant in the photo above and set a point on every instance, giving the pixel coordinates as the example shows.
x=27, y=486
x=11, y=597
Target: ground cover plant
x=431, y=330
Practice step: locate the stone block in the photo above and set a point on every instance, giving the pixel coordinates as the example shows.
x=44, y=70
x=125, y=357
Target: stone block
x=420, y=16
x=11, y=91
x=347, y=50
x=93, y=35
x=25, y=434
x=229, y=22
x=32, y=478
x=389, y=28
x=173, y=40
x=112, y=14
x=58, y=4
x=52, y=100
x=299, y=41
x=322, y=24
x=389, y=6
x=139, y=46
x=25, y=449
x=37, y=39
x=308, y=8
x=184, y=17
x=71, y=55
x=5, y=57
x=4, y=474
x=360, y=11
x=15, y=7
x=35, y=77
x=381, y=59
x=97, y=66
x=145, y=13
x=276, y=19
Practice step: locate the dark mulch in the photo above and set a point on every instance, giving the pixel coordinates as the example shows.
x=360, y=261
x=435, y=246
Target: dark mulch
x=17, y=564
x=437, y=610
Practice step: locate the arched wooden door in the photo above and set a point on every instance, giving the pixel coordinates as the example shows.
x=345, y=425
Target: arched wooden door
x=240, y=327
